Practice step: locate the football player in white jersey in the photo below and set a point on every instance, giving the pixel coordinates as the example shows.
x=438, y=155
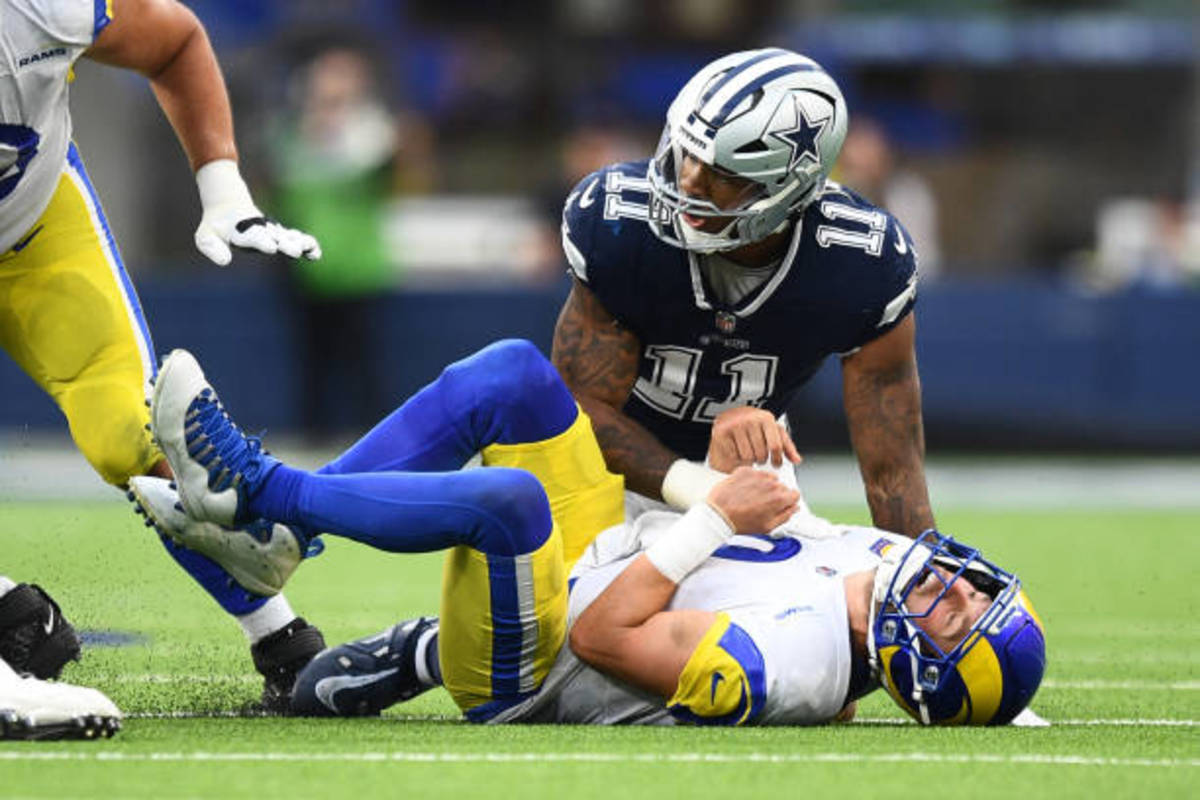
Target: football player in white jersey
x=746, y=609
x=69, y=315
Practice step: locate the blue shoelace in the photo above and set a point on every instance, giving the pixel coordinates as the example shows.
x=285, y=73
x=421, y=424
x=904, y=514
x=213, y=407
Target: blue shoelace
x=231, y=458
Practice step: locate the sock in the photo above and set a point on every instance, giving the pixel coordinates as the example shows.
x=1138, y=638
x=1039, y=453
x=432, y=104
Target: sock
x=6, y=585
x=213, y=578
x=271, y=616
x=428, y=671
x=498, y=511
x=506, y=393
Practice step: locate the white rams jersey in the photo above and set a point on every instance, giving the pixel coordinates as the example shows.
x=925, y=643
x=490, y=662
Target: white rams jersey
x=39, y=41
x=786, y=594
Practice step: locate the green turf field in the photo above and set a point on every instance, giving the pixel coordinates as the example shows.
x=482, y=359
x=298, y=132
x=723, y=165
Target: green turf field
x=1116, y=590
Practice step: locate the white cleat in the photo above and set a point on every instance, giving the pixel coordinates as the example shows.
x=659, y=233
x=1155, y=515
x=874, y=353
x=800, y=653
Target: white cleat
x=179, y=384
x=260, y=556
x=35, y=709
x=214, y=463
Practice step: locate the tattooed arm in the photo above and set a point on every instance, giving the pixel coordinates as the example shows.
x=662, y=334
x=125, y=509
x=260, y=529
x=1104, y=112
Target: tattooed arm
x=882, y=395
x=598, y=359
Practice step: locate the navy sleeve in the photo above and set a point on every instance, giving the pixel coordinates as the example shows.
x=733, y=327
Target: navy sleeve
x=580, y=213
x=889, y=286
x=602, y=252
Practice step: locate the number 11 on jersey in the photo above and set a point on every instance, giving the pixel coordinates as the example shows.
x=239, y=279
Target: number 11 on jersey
x=672, y=382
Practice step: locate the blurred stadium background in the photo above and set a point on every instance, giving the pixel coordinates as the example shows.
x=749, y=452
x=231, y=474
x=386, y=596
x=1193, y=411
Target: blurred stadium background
x=1045, y=155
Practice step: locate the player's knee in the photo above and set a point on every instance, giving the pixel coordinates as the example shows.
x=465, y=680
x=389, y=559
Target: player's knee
x=514, y=512
x=512, y=369
x=516, y=391
x=109, y=429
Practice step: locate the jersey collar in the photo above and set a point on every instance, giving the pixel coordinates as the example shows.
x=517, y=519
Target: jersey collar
x=754, y=300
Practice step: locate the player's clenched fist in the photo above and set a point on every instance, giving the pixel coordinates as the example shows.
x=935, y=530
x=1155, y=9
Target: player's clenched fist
x=753, y=501
x=232, y=219
x=748, y=435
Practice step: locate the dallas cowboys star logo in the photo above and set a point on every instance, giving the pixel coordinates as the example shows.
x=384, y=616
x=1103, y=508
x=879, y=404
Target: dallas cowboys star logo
x=803, y=138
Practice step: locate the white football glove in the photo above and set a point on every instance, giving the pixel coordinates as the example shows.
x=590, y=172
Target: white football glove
x=231, y=218
x=803, y=522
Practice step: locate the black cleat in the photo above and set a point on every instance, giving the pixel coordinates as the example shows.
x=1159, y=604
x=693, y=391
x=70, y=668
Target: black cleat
x=363, y=677
x=35, y=638
x=280, y=657
x=87, y=726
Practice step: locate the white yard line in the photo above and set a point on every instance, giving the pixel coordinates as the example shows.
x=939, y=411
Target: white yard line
x=606, y=758
x=1103, y=685
x=1050, y=683
x=1077, y=723
x=1068, y=723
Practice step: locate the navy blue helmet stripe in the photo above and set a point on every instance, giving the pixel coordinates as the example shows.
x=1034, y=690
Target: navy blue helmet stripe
x=738, y=70
x=754, y=86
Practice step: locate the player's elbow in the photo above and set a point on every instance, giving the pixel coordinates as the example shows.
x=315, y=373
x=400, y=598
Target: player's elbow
x=591, y=642
x=581, y=639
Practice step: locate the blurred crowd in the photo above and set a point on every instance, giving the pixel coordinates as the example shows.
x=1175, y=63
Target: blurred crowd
x=433, y=141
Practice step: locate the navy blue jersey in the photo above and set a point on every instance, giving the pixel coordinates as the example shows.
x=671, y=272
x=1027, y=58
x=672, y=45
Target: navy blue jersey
x=848, y=277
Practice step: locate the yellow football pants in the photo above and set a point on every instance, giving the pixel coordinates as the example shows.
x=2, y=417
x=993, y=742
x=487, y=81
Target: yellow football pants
x=70, y=318
x=488, y=660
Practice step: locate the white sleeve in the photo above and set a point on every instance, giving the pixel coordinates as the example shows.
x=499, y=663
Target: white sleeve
x=806, y=670
x=72, y=22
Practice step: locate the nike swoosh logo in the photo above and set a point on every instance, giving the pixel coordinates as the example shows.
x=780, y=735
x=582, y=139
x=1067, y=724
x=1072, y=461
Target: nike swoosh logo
x=49, y=626
x=588, y=196
x=23, y=243
x=901, y=245
x=716, y=680
x=326, y=688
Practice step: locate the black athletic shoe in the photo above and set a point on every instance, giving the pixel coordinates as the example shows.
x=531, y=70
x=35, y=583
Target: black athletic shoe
x=363, y=677
x=280, y=657
x=35, y=638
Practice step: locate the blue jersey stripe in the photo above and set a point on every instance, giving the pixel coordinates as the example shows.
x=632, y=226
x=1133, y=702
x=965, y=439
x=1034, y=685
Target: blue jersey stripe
x=76, y=164
x=754, y=86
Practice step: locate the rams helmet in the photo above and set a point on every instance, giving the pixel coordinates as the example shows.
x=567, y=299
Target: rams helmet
x=990, y=675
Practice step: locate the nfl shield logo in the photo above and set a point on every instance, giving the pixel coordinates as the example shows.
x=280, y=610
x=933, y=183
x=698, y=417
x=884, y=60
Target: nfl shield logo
x=726, y=322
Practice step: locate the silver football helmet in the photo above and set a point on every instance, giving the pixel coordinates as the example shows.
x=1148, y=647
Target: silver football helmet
x=770, y=116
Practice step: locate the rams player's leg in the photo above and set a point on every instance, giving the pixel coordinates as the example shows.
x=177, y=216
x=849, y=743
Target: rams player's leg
x=503, y=608
x=508, y=402
x=505, y=393
x=69, y=316
x=70, y=319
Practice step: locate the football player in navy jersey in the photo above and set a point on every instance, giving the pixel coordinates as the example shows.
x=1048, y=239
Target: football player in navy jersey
x=722, y=272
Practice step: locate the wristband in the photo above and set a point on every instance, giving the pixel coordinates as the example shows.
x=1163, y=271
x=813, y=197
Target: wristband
x=220, y=183
x=689, y=542
x=688, y=483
